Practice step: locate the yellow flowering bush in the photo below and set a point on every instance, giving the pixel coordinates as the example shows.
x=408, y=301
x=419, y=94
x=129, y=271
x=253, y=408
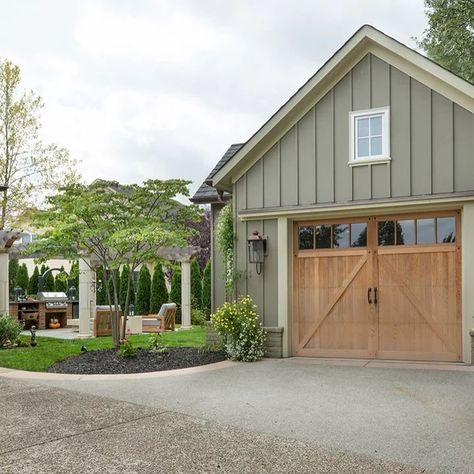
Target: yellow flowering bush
x=240, y=327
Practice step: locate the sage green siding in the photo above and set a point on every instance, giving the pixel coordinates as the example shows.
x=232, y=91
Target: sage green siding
x=262, y=288
x=432, y=143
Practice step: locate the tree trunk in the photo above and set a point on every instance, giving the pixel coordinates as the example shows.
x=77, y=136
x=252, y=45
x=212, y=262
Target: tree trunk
x=127, y=301
x=112, y=299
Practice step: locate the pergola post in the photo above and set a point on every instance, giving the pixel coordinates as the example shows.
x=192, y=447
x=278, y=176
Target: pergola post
x=186, y=294
x=86, y=296
x=7, y=237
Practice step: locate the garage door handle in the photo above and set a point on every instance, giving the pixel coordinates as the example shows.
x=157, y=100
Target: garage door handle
x=375, y=295
x=369, y=293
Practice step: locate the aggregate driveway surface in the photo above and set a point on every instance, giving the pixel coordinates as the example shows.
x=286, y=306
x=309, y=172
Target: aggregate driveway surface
x=423, y=418
x=49, y=430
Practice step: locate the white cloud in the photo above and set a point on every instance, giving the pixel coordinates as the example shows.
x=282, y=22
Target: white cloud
x=161, y=88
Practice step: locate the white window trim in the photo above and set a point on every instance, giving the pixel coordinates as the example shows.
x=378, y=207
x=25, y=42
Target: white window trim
x=385, y=156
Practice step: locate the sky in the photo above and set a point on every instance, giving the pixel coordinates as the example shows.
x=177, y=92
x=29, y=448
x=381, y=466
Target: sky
x=144, y=89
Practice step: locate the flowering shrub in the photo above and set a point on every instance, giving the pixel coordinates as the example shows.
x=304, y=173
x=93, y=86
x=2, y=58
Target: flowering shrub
x=241, y=329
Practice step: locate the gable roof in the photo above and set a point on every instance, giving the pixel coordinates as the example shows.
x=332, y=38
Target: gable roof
x=206, y=193
x=364, y=41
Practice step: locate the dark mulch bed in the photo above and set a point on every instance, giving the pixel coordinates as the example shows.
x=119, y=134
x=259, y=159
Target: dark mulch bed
x=108, y=361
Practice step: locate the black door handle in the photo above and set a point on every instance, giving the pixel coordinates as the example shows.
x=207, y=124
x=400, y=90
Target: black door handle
x=369, y=292
x=375, y=297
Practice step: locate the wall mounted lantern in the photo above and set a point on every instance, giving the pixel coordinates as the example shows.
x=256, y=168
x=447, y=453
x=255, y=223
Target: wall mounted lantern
x=257, y=248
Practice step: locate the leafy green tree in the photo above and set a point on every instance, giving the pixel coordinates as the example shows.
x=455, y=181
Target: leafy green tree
x=12, y=273
x=225, y=237
x=206, y=289
x=60, y=280
x=175, y=292
x=28, y=167
x=196, y=284
x=33, y=283
x=143, y=291
x=117, y=224
x=100, y=288
x=449, y=38
x=123, y=287
x=159, y=292
x=22, y=277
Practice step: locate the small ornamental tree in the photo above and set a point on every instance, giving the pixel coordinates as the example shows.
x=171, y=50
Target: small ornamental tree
x=115, y=225
x=12, y=273
x=123, y=288
x=175, y=292
x=60, y=281
x=33, y=283
x=196, y=284
x=159, y=292
x=22, y=277
x=100, y=288
x=206, y=290
x=143, y=291
x=111, y=287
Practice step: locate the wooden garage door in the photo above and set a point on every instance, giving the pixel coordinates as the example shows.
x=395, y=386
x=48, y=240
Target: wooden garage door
x=385, y=287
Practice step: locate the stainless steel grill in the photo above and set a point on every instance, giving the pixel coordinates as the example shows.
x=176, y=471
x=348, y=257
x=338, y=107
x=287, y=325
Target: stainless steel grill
x=53, y=299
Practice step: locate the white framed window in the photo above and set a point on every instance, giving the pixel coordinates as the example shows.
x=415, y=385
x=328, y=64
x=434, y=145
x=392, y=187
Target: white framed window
x=369, y=136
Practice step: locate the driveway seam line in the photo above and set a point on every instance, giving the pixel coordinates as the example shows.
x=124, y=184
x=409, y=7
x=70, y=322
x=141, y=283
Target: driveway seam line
x=154, y=414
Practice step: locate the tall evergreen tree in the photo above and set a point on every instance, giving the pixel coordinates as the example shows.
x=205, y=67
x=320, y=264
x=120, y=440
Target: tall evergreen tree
x=143, y=291
x=22, y=277
x=60, y=281
x=48, y=281
x=123, y=287
x=12, y=274
x=159, y=292
x=33, y=283
x=196, y=284
x=100, y=288
x=206, y=289
x=74, y=277
x=175, y=292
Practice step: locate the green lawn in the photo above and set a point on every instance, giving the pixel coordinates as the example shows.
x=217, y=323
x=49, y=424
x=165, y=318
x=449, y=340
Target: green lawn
x=50, y=350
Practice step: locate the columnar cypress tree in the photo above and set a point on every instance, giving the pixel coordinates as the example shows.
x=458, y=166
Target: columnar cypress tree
x=48, y=282
x=12, y=274
x=33, y=283
x=100, y=288
x=196, y=284
x=60, y=281
x=74, y=277
x=22, y=277
x=175, y=292
x=143, y=291
x=206, y=289
x=111, y=287
x=123, y=287
x=159, y=293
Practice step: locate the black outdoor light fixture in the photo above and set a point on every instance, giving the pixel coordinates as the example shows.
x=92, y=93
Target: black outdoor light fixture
x=257, y=248
x=71, y=293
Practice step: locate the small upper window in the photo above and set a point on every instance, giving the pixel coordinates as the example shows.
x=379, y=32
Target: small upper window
x=370, y=135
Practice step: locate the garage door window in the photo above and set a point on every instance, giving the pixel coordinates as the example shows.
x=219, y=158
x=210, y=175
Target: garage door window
x=424, y=231
x=336, y=236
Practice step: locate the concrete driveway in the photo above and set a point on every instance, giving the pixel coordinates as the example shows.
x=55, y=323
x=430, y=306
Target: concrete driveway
x=423, y=418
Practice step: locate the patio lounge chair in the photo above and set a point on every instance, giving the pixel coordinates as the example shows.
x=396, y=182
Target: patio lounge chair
x=163, y=321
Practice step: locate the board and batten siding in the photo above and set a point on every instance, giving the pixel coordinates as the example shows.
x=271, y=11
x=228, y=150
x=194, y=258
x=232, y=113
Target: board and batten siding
x=431, y=146
x=263, y=288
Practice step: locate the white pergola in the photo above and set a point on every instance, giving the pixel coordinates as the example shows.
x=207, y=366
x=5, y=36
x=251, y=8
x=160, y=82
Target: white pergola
x=87, y=286
x=7, y=237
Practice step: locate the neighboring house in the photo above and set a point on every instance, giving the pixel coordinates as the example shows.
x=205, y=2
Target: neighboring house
x=363, y=185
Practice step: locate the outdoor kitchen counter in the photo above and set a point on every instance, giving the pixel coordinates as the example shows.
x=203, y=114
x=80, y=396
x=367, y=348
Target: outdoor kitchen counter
x=40, y=313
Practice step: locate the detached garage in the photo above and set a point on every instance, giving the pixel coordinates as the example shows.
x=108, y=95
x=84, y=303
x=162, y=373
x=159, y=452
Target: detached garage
x=362, y=188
